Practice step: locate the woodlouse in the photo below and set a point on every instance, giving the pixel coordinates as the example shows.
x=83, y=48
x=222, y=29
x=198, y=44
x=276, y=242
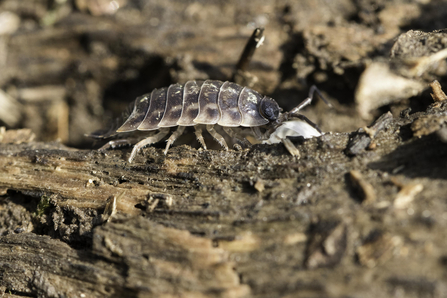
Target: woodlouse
x=211, y=102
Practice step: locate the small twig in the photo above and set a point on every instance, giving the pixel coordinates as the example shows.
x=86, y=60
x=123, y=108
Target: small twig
x=110, y=208
x=253, y=43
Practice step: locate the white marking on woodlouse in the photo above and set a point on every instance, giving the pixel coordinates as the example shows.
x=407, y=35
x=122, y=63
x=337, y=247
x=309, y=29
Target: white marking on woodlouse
x=252, y=98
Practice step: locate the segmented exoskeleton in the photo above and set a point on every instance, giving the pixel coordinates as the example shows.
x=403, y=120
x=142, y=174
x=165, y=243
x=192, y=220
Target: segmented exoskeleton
x=208, y=103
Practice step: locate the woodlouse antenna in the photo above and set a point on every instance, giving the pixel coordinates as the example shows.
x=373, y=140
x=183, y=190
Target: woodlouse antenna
x=308, y=100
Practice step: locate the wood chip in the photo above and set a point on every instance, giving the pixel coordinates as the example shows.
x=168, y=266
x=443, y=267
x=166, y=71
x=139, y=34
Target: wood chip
x=438, y=94
x=427, y=124
x=110, y=209
x=10, y=109
x=42, y=93
x=17, y=136
x=259, y=185
x=364, y=189
x=407, y=194
x=295, y=238
x=244, y=242
x=327, y=244
x=377, y=249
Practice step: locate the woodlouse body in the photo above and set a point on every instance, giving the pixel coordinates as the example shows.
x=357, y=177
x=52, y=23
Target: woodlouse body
x=209, y=103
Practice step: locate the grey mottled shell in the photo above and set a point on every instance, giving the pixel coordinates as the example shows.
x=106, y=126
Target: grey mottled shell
x=208, y=102
x=190, y=108
x=249, y=103
x=208, y=108
x=228, y=104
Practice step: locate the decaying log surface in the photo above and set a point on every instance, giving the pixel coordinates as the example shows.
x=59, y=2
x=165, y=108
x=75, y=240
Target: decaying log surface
x=160, y=262
x=360, y=214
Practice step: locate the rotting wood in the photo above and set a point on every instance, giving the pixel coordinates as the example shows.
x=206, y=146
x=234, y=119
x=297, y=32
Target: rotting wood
x=213, y=233
x=128, y=257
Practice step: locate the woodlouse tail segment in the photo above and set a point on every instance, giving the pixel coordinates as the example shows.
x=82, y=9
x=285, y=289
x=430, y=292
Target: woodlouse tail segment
x=139, y=112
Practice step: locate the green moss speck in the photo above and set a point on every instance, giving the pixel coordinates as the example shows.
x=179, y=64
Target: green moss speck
x=43, y=205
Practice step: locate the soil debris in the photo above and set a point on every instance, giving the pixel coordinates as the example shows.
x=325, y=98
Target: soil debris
x=377, y=248
x=438, y=94
x=407, y=194
x=365, y=191
x=364, y=136
x=327, y=245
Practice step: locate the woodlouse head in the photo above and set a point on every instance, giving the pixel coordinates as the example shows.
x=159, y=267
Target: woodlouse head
x=270, y=109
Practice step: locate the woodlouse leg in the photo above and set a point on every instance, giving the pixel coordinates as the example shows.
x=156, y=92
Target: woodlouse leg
x=147, y=141
x=220, y=139
x=173, y=137
x=115, y=143
x=198, y=132
x=258, y=134
x=291, y=148
x=237, y=138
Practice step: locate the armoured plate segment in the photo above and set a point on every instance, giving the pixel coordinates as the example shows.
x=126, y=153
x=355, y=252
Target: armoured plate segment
x=156, y=110
x=173, y=108
x=138, y=114
x=190, y=108
x=208, y=108
x=228, y=104
x=249, y=104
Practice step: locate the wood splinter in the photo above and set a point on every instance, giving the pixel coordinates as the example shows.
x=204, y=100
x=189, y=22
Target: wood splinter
x=437, y=95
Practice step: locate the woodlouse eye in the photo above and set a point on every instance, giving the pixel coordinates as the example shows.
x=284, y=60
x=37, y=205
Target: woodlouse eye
x=270, y=109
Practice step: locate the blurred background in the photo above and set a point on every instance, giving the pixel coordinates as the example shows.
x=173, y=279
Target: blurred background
x=68, y=66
